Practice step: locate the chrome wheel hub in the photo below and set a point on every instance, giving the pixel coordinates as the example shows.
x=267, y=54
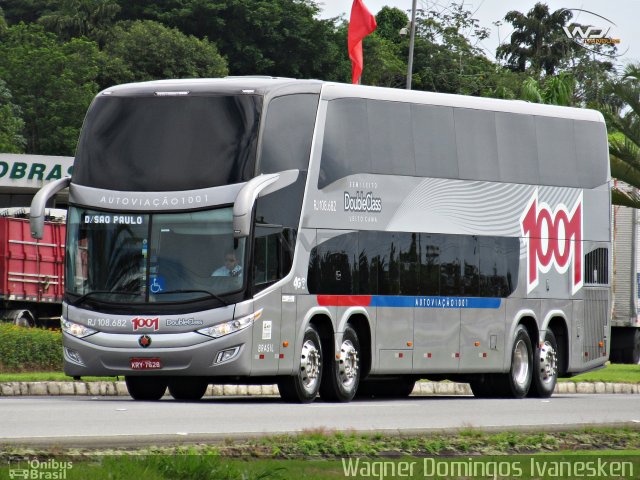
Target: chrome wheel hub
x=520, y=370
x=349, y=363
x=548, y=363
x=310, y=366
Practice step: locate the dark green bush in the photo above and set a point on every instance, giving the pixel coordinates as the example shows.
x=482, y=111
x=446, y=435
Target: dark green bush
x=29, y=349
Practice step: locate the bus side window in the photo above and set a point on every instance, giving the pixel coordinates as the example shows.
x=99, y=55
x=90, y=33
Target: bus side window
x=273, y=254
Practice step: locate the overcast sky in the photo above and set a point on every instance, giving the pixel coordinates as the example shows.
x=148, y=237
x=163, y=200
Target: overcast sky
x=623, y=13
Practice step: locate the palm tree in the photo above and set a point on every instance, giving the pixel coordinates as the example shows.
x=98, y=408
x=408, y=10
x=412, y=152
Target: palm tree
x=624, y=137
x=538, y=41
x=553, y=90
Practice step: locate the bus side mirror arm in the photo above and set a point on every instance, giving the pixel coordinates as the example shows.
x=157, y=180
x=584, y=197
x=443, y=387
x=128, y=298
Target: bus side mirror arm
x=39, y=203
x=254, y=188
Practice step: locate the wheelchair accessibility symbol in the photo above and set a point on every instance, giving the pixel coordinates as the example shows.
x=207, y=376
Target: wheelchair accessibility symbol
x=157, y=284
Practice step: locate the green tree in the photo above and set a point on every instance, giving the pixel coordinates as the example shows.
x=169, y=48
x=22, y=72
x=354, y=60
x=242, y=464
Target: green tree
x=552, y=90
x=52, y=82
x=148, y=50
x=624, y=138
x=27, y=11
x=11, y=124
x=538, y=42
x=77, y=18
x=266, y=37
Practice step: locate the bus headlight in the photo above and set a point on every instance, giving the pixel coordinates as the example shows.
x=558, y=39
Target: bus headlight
x=232, y=326
x=76, y=329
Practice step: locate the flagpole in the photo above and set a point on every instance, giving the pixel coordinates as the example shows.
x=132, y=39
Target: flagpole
x=412, y=38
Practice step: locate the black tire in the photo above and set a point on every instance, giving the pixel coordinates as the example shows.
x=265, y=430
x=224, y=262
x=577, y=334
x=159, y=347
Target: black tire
x=631, y=354
x=400, y=387
x=305, y=385
x=187, y=388
x=516, y=383
x=545, y=364
x=146, y=388
x=340, y=382
x=484, y=387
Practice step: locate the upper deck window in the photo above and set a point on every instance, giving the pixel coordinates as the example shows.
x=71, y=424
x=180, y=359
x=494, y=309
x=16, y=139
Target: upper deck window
x=158, y=143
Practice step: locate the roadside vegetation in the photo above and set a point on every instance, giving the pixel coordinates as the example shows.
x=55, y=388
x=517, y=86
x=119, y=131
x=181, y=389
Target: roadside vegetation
x=320, y=454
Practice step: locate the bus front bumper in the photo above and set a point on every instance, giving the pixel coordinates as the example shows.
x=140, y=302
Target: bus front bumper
x=124, y=354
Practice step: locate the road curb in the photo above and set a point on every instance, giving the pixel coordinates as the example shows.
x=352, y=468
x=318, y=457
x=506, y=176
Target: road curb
x=108, y=389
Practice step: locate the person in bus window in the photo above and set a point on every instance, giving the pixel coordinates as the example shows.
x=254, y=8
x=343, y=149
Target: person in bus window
x=231, y=268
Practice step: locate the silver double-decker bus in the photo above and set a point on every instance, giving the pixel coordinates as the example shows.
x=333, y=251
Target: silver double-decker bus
x=337, y=240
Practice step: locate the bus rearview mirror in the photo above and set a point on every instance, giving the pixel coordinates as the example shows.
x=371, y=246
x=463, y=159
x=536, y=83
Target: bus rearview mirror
x=39, y=203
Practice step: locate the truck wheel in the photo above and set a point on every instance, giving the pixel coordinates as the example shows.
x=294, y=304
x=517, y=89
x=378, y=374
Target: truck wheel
x=516, y=383
x=146, y=388
x=545, y=366
x=187, y=388
x=23, y=318
x=304, y=386
x=340, y=382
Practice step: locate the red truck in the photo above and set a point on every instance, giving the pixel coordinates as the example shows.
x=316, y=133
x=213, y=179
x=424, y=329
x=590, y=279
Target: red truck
x=31, y=271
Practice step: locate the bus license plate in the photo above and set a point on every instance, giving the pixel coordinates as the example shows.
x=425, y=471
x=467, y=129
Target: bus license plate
x=145, y=363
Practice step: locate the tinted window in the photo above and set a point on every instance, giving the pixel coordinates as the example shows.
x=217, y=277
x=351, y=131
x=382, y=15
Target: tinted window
x=346, y=146
x=391, y=138
x=168, y=143
x=469, y=258
x=430, y=246
x=334, y=265
x=592, y=153
x=477, y=144
x=277, y=216
x=498, y=266
x=556, y=151
x=517, y=150
x=389, y=263
x=409, y=262
x=288, y=131
x=435, y=141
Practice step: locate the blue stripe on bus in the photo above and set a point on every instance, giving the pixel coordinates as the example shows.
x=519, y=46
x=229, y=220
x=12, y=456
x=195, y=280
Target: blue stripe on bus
x=434, y=302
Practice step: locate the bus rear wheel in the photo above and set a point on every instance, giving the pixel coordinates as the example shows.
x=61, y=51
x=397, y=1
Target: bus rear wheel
x=304, y=386
x=343, y=374
x=187, y=388
x=545, y=364
x=146, y=388
x=516, y=383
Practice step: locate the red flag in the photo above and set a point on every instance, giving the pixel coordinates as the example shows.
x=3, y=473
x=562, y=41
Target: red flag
x=361, y=24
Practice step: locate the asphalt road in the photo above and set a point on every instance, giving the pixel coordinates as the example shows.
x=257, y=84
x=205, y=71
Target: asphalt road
x=113, y=421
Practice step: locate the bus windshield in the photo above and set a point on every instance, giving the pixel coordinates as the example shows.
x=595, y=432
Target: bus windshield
x=152, y=258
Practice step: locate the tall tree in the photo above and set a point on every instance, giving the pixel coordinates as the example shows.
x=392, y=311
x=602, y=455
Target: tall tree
x=77, y=18
x=52, y=82
x=11, y=123
x=538, y=41
x=624, y=138
x=148, y=50
x=265, y=37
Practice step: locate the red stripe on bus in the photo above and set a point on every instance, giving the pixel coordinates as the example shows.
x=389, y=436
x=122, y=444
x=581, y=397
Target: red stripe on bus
x=344, y=300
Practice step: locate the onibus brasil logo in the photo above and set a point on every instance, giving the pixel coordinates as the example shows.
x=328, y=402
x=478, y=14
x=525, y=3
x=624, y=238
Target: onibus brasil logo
x=554, y=240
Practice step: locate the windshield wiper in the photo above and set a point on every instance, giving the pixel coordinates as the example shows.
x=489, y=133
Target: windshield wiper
x=212, y=295
x=82, y=298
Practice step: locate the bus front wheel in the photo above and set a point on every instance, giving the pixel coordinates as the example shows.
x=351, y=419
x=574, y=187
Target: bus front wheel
x=303, y=387
x=146, y=388
x=343, y=374
x=187, y=388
